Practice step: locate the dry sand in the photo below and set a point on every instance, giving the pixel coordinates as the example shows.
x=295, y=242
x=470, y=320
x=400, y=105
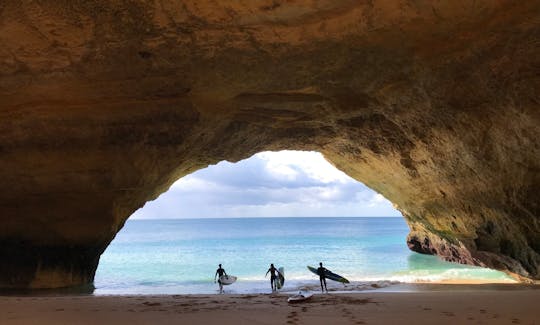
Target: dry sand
x=450, y=305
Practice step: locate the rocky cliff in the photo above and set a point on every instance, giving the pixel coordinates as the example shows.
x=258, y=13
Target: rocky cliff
x=103, y=104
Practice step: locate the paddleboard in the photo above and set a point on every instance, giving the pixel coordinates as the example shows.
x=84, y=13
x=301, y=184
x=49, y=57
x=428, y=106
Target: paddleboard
x=281, y=278
x=329, y=275
x=301, y=296
x=227, y=279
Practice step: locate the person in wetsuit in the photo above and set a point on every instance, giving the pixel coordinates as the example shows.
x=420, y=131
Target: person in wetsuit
x=322, y=278
x=273, y=277
x=219, y=272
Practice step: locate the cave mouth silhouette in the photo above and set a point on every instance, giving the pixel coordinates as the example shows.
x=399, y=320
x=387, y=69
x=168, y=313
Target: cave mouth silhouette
x=96, y=122
x=243, y=207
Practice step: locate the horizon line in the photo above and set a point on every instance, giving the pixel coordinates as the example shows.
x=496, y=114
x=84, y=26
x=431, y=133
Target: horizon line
x=292, y=217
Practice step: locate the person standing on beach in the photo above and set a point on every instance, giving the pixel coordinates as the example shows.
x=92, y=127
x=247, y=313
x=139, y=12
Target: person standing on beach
x=273, y=277
x=219, y=272
x=322, y=277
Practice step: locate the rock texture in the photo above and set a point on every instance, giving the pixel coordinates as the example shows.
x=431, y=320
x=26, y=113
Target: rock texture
x=103, y=104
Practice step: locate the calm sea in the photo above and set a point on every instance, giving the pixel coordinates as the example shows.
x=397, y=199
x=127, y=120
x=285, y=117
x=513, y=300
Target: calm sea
x=181, y=256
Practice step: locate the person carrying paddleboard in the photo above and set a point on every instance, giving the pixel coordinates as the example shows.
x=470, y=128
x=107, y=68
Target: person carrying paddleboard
x=322, y=277
x=219, y=272
x=273, y=277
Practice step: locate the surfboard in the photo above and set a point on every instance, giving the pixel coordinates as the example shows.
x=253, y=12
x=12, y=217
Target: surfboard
x=301, y=296
x=329, y=275
x=281, y=278
x=227, y=279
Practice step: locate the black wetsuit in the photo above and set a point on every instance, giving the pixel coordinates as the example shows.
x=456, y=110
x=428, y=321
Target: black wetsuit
x=220, y=272
x=273, y=277
x=322, y=278
x=272, y=271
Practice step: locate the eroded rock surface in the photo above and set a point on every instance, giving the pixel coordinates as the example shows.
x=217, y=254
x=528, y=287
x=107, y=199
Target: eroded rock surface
x=103, y=104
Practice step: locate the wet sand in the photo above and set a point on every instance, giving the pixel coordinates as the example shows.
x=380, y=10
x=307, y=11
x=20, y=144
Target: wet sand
x=429, y=304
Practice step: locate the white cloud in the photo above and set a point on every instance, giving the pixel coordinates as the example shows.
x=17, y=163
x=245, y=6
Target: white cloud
x=311, y=163
x=269, y=184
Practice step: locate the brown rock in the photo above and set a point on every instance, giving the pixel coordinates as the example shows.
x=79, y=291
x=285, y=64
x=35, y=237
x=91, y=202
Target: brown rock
x=104, y=104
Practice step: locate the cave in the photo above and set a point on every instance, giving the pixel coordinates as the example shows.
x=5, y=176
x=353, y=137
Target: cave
x=105, y=104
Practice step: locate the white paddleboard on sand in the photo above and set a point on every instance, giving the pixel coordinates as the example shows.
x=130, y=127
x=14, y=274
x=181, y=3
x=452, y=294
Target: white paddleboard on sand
x=227, y=279
x=300, y=297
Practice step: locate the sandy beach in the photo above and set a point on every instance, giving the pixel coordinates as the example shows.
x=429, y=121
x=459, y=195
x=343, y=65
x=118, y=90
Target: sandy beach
x=429, y=304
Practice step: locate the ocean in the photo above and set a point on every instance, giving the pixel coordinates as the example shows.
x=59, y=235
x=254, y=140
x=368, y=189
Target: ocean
x=181, y=256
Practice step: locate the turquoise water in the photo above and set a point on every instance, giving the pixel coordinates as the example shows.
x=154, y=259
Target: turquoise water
x=181, y=256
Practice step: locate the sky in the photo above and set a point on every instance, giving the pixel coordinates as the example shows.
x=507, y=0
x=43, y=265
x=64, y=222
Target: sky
x=268, y=184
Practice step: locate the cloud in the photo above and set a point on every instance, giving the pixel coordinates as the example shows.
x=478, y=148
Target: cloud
x=308, y=164
x=269, y=184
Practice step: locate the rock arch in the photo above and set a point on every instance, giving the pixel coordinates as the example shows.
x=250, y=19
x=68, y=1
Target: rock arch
x=104, y=104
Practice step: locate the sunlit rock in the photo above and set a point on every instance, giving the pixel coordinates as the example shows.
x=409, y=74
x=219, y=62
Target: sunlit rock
x=104, y=104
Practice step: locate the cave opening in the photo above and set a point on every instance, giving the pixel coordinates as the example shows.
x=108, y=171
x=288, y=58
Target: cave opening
x=440, y=118
x=291, y=208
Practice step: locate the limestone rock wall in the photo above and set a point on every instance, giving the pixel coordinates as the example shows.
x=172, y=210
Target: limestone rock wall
x=103, y=104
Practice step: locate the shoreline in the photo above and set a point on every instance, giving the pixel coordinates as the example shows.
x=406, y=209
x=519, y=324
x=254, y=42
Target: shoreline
x=444, y=304
x=262, y=287
x=312, y=286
